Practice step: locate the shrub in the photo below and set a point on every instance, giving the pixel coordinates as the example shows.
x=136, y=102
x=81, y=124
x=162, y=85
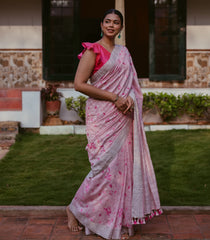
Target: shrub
x=195, y=105
x=77, y=104
x=168, y=105
x=165, y=103
x=50, y=93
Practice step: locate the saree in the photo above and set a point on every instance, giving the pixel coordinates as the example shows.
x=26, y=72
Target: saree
x=121, y=189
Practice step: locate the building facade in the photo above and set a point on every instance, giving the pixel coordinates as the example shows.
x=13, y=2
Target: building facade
x=169, y=40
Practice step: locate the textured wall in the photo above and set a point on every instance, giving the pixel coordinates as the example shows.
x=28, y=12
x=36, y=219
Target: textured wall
x=198, y=68
x=198, y=73
x=23, y=69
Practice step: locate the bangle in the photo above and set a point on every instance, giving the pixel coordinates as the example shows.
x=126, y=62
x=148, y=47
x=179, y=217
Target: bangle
x=117, y=97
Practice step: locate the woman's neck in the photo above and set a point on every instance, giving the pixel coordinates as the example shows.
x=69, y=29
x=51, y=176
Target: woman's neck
x=107, y=43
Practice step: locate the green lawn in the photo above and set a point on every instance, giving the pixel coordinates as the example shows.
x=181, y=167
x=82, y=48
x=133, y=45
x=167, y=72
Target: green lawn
x=47, y=170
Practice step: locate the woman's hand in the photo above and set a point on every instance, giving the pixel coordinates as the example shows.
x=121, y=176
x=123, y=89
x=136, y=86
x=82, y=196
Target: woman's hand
x=125, y=105
x=121, y=104
x=130, y=105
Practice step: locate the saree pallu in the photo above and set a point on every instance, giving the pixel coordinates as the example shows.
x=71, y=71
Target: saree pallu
x=120, y=190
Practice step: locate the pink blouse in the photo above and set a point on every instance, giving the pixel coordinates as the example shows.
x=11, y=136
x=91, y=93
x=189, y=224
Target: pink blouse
x=102, y=55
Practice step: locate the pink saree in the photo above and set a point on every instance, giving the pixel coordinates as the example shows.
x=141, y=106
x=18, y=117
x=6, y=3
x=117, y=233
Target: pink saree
x=120, y=190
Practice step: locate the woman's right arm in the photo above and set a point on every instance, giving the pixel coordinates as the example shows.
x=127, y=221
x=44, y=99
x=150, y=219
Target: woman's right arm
x=83, y=73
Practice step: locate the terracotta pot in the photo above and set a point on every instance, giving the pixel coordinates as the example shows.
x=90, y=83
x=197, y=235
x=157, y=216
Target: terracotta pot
x=53, y=107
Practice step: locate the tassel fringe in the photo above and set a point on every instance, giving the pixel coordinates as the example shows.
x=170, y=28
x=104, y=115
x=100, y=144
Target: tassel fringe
x=147, y=217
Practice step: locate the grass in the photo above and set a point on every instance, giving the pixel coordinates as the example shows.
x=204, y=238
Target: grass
x=47, y=170
x=182, y=165
x=43, y=170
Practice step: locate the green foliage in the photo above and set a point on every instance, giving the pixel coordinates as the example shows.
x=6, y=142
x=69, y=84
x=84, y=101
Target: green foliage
x=77, y=104
x=195, y=105
x=165, y=103
x=168, y=105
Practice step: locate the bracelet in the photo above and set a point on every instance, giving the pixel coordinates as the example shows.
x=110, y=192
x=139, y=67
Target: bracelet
x=117, y=97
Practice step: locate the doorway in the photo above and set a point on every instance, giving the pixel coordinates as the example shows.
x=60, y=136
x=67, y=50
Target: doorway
x=156, y=38
x=137, y=34
x=91, y=13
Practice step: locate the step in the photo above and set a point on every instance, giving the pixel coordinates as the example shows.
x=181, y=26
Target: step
x=6, y=144
x=7, y=137
x=9, y=127
x=8, y=132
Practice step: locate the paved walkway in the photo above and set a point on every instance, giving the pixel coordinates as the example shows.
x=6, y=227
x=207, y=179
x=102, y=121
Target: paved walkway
x=3, y=153
x=28, y=225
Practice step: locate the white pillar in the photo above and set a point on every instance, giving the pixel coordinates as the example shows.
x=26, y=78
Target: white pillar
x=120, y=5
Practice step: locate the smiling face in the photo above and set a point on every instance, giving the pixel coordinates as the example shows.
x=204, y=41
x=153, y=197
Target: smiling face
x=111, y=25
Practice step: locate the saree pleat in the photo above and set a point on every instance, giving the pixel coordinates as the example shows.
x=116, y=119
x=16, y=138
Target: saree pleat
x=121, y=188
x=102, y=203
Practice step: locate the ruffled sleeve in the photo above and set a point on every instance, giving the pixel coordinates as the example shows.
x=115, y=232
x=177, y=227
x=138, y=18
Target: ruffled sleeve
x=89, y=46
x=102, y=55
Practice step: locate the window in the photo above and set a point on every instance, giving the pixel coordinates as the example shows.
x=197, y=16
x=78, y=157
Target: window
x=60, y=39
x=167, y=40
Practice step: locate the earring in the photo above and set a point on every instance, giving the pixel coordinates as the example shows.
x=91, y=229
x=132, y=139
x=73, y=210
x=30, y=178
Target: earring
x=102, y=34
x=119, y=36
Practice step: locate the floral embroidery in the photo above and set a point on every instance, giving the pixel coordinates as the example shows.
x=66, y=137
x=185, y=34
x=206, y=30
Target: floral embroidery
x=108, y=211
x=108, y=175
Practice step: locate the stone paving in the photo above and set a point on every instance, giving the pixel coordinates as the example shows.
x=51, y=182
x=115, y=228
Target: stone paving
x=170, y=225
x=3, y=153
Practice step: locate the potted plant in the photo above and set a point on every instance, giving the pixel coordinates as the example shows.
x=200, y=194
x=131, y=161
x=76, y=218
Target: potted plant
x=52, y=99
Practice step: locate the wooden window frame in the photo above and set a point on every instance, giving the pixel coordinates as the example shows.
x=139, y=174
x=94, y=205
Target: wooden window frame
x=45, y=43
x=181, y=76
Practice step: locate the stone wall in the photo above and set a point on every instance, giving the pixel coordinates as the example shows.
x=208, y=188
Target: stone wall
x=198, y=68
x=23, y=69
x=198, y=73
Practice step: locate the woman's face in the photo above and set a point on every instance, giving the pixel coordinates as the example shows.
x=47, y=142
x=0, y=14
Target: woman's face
x=111, y=25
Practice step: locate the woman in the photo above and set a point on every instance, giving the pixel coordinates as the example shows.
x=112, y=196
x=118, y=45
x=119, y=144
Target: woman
x=121, y=188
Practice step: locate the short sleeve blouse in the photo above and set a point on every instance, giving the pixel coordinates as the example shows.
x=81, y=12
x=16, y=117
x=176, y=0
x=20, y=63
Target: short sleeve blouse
x=102, y=55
